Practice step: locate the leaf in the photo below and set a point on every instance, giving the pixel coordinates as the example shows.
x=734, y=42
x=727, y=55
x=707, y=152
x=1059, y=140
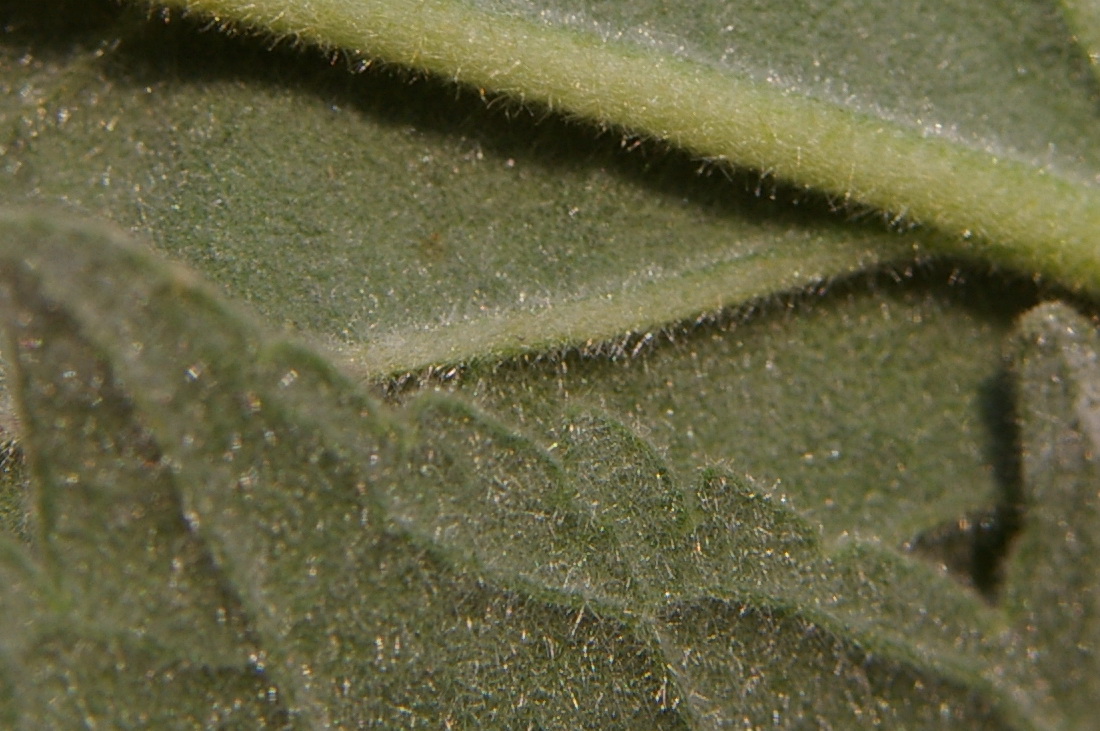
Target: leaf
x=340, y=254
x=499, y=499
x=681, y=551
x=860, y=403
x=679, y=543
x=113, y=537
x=1083, y=18
x=287, y=520
x=527, y=275
x=125, y=588
x=347, y=206
x=1052, y=575
x=736, y=575
x=1022, y=216
x=370, y=601
x=402, y=217
x=829, y=682
x=80, y=678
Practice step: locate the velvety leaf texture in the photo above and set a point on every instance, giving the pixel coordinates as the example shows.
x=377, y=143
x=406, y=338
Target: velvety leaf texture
x=1053, y=579
x=563, y=364
x=282, y=549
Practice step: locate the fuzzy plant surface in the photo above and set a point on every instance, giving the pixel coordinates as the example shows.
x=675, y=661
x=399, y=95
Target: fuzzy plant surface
x=246, y=539
x=566, y=364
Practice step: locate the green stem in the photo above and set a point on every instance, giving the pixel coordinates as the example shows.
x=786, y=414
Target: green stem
x=1000, y=210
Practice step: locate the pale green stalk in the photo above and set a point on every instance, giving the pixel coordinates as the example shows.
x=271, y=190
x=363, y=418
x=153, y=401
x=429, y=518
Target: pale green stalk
x=998, y=209
x=607, y=316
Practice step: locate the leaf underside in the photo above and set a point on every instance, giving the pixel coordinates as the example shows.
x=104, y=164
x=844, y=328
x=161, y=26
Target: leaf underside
x=347, y=563
x=557, y=523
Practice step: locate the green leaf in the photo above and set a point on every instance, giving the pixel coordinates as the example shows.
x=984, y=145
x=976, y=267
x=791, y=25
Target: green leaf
x=1083, y=18
x=360, y=209
x=112, y=537
x=318, y=196
x=735, y=663
x=391, y=573
x=1024, y=216
x=500, y=500
x=125, y=588
x=1052, y=576
x=71, y=678
x=624, y=223
x=289, y=519
x=861, y=404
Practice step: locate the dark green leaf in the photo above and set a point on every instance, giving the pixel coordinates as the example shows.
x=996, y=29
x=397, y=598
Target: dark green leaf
x=437, y=572
x=1052, y=582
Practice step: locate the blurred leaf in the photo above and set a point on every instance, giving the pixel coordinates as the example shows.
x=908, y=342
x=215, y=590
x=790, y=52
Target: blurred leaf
x=127, y=622
x=110, y=526
x=80, y=677
x=1052, y=582
x=1083, y=18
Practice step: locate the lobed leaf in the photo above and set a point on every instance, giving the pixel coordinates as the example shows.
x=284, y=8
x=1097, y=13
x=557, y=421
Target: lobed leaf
x=443, y=571
x=288, y=523
x=860, y=406
x=1052, y=588
x=567, y=578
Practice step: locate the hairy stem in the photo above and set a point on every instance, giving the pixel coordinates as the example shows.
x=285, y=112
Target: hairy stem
x=994, y=208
